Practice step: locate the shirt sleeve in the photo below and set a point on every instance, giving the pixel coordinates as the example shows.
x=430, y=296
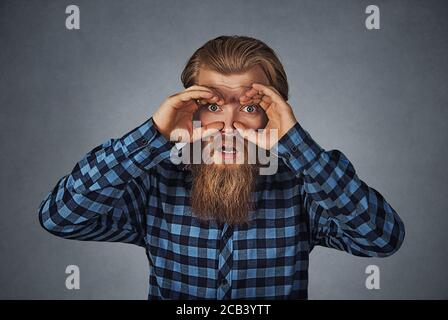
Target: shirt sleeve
x=344, y=212
x=104, y=197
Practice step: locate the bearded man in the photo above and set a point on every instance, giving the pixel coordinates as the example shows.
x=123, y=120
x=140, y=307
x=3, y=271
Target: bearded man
x=220, y=229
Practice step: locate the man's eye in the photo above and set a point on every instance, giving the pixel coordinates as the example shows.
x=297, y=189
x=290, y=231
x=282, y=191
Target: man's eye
x=213, y=107
x=250, y=108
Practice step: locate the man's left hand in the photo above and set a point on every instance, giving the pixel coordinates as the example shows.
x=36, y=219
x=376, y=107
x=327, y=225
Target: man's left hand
x=280, y=116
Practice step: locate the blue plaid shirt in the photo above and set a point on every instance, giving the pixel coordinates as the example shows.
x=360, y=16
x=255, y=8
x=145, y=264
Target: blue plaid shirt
x=128, y=190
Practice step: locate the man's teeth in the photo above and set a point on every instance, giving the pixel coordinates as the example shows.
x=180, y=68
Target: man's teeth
x=228, y=150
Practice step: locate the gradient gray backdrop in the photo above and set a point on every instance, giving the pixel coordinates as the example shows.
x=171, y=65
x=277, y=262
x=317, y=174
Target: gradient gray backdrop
x=378, y=96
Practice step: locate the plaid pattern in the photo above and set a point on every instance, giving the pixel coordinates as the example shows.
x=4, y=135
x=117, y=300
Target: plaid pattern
x=128, y=190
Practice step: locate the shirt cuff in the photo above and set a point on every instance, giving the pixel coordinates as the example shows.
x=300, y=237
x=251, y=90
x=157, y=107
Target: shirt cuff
x=297, y=149
x=146, y=146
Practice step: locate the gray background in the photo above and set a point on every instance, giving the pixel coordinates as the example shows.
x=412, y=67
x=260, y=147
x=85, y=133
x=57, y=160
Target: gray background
x=378, y=96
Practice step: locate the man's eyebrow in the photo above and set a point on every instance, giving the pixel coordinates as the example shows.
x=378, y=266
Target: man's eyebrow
x=220, y=93
x=246, y=87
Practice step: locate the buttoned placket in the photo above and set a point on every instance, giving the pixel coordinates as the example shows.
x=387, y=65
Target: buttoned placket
x=225, y=263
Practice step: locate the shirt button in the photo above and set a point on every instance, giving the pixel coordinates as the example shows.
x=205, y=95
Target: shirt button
x=294, y=149
x=152, y=149
x=287, y=155
x=224, y=282
x=143, y=141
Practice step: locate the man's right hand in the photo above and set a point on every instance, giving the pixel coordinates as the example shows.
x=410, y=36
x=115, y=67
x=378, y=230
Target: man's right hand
x=174, y=118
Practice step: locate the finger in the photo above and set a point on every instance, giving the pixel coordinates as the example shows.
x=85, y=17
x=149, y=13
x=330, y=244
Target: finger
x=204, y=88
x=254, y=100
x=207, y=130
x=197, y=87
x=246, y=133
x=255, y=96
x=265, y=105
x=264, y=102
x=214, y=99
x=250, y=93
x=187, y=96
x=267, y=90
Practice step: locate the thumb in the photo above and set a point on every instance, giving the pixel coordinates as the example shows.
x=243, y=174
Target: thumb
x=246, y=133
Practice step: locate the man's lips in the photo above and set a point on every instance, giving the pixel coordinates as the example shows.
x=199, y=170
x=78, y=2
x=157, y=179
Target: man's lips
x=227, y=152
x=227, y=149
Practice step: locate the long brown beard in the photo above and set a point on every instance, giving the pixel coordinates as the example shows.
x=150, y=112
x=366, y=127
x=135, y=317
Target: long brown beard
x=223, y=192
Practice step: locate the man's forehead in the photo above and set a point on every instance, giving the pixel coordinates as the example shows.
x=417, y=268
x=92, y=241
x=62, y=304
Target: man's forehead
x=233, y=83
x=228, y=87
x=228, y=91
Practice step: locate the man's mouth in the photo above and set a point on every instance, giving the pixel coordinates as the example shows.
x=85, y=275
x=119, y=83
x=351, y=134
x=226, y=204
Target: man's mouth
x=228, y=148
x=227, y=152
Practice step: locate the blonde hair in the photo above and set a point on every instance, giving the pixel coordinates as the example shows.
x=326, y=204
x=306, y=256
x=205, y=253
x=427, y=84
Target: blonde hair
x=236, y=54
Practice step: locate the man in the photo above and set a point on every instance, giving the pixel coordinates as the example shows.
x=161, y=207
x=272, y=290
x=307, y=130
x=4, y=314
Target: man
x=217, y=230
